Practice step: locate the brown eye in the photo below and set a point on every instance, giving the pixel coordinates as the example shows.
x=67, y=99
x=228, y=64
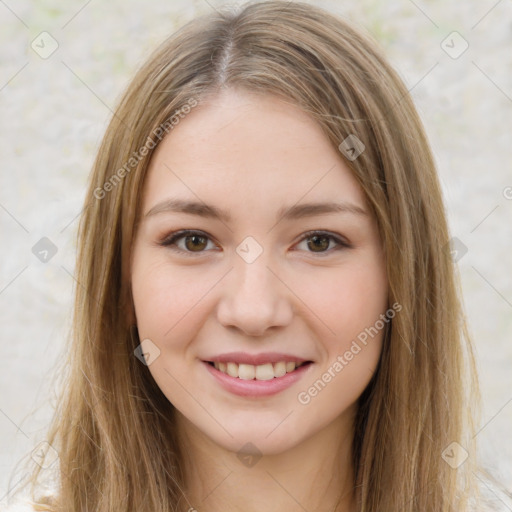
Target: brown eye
x=319, y=242
x=195, y=243
x=188, y=242
x=322, y=243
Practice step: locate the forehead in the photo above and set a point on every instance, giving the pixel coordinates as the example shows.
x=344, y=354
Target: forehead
x=252, y=150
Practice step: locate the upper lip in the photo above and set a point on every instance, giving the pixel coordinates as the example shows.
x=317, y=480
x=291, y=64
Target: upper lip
x=255, y=359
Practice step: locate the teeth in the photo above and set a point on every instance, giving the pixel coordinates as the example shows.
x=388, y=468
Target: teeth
x=232, y=370
x=265, y=371
x=246, y=371
x=261, y=372
x=280, y=369
x=290, y=367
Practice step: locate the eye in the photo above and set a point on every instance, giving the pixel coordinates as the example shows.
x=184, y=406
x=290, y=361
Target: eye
x=193, y=241
x=320, y=242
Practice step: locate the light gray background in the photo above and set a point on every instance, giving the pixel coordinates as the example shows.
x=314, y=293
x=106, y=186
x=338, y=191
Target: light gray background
x=54, y=112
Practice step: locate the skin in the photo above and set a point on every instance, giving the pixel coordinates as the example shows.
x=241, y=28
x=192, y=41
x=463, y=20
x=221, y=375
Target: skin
x=252, y=155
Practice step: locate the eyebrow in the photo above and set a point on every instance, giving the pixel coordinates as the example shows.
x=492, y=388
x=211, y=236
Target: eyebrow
x=297, y=211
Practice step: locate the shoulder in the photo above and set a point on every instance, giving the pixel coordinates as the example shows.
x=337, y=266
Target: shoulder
x=18, y=506
x=22, y=505
x=494, y=506
x=494, y=497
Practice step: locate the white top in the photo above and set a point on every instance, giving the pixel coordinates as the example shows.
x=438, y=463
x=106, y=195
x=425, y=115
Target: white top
x=492, y=500
x=18, y=506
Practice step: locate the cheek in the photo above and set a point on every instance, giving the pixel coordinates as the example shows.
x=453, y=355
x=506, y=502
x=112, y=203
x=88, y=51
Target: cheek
x=351, y=304
x=167, y=299
x=346, y=300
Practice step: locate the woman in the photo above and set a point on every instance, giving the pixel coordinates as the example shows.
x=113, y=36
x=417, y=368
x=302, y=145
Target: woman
x=267, y=317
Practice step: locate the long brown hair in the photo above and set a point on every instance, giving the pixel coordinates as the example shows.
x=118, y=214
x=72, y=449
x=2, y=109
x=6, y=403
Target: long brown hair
x=114, y=428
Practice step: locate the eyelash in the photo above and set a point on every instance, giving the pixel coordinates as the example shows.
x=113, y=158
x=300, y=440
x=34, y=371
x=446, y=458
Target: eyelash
x=169, y=241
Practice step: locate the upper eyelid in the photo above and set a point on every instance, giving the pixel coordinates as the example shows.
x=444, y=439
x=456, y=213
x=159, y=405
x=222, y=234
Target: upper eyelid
x=178, y=235
x=182, y=233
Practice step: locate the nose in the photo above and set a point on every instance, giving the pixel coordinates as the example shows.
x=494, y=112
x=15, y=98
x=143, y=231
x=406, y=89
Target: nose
x=254, y=298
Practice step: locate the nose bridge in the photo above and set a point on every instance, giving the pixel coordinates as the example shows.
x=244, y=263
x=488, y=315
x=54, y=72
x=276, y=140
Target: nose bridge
x=254, y=299
x=254, y=277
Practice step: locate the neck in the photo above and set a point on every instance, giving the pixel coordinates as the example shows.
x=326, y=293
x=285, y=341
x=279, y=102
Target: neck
x=316, y=475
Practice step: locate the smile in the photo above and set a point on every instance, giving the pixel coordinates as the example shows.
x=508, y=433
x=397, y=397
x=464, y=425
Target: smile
x=253, y=381
x=266, y=371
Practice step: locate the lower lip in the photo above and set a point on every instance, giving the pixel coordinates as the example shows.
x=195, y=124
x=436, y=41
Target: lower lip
x=255, y=387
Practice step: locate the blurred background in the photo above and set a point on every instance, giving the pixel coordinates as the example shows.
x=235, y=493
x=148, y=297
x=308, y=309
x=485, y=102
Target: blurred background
x=63, y=68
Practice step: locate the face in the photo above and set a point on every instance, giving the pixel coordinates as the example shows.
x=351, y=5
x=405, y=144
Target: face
x=242, y=264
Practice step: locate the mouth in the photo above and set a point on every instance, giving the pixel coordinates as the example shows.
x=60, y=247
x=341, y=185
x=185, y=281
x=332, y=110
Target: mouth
x=266, y=371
